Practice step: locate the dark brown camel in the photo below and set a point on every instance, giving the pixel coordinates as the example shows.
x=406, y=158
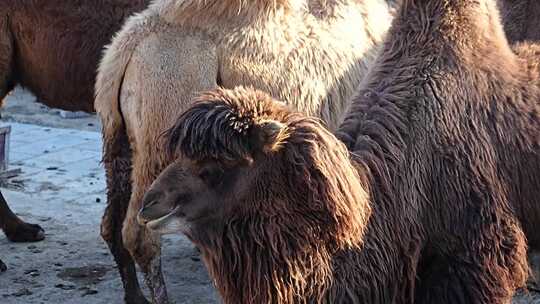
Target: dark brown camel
x=52, y=48
x=431, y=205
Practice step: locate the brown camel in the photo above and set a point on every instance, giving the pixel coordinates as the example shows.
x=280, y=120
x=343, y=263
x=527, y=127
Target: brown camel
x=52, y=47
x=311, y=53
x=429, y=204
x=521, y=19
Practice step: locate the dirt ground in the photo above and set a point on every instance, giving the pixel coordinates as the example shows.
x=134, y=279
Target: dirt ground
x=61, y=187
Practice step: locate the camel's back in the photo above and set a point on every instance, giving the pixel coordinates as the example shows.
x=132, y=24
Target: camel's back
x=487, y=126
x=59, y=44
x=313, y=60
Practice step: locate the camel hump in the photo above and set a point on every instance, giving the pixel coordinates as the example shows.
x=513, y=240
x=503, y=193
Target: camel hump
x=113, y=65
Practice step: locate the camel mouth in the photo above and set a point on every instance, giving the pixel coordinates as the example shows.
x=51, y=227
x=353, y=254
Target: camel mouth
x=152, y=224
x=171, y=222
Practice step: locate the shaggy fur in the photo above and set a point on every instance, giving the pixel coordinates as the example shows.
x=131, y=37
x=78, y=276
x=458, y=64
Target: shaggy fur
x=445, y=138
x=311, y=53
x=521, y=19
x=52, y=47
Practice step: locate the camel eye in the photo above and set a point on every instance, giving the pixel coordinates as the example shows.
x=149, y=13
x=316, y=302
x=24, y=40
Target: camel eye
x=212, y=176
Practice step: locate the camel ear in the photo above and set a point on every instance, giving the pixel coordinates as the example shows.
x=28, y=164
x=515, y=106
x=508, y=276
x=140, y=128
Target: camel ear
x=270, y=135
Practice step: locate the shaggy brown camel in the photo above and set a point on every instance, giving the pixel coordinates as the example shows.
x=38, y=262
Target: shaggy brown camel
x=521, y=19
x=429, y=205
x=312, y=53
x=52, y=47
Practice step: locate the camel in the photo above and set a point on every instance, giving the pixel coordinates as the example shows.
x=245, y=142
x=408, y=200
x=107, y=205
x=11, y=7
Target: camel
x=426, y=194
x=521, y=19
x=52, y=48
x=311, y=53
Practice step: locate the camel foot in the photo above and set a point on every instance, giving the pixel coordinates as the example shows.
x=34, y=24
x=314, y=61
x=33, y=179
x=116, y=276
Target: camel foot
x=3, y=266
x=25, y=232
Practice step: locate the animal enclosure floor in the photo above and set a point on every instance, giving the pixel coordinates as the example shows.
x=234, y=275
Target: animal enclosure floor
x=61, y=187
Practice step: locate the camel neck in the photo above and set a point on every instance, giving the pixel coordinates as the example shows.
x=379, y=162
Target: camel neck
x=368, y=273
x=265, y=272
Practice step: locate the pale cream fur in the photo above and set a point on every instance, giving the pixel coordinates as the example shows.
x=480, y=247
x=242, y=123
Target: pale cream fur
x=311, y=53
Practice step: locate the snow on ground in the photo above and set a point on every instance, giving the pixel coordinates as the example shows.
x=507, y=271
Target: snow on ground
x=61, y=187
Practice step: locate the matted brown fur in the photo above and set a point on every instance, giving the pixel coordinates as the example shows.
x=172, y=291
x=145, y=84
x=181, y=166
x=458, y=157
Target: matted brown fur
x=311, y=53
x=463, y=83
x=521, y=19
x=445, y=137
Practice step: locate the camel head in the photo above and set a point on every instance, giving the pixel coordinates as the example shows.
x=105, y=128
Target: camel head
x=224, y=149
x=253, y=179
x=243, y=155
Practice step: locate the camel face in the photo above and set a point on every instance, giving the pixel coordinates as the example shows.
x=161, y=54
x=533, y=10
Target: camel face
x=186, y=192
x=161, y=210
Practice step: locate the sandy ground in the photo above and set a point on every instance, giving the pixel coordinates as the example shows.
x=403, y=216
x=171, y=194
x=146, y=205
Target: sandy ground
x=61, y=187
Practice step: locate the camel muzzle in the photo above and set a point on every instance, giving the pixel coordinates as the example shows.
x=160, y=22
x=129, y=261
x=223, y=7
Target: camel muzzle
x=154, y=207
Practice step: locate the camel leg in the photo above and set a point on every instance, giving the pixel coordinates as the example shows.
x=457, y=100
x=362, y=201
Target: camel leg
x=16, y=229
x=145, y=247
x=3, y=203
x=117, y=162
x=143, y=244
